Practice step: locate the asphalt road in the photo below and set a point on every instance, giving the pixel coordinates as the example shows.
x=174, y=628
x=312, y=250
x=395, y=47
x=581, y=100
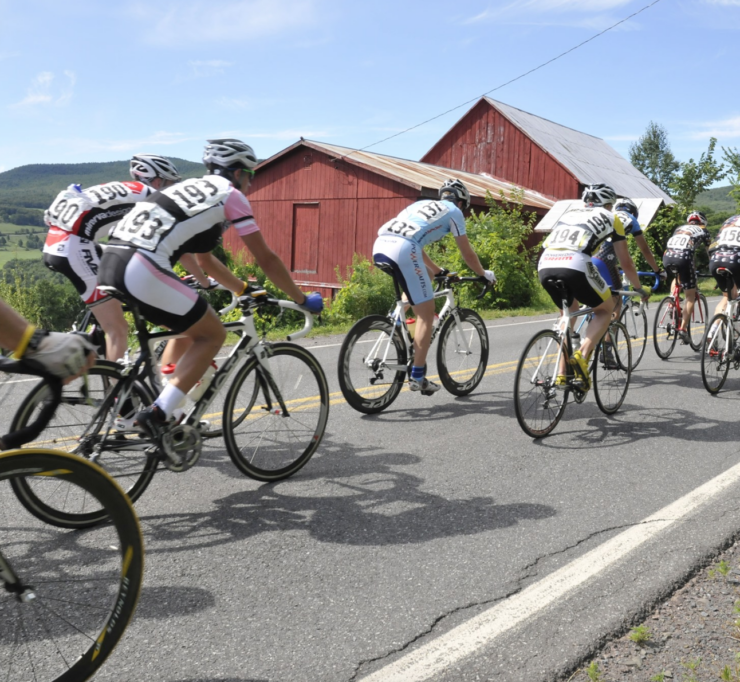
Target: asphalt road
x=436, y=540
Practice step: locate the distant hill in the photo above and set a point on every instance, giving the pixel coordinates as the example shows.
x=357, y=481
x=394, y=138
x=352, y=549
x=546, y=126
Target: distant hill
x=36, y=185
x=717, y=199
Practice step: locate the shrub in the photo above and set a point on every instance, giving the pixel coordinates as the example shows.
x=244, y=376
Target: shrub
x=43, y=302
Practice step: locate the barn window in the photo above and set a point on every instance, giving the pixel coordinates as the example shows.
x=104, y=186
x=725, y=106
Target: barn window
x=305, y=238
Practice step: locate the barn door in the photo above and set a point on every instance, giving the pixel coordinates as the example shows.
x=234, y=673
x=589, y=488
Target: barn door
x=305, y=238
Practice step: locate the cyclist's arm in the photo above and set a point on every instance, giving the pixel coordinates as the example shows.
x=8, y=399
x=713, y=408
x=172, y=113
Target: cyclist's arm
x=12, y=327
x=188, y=261
x=216, y=269
x=626, y=263
x=273, y=266
x=469, y=256
x=647, y=252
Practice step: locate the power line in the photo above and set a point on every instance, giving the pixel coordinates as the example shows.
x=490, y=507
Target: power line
x=503, y=85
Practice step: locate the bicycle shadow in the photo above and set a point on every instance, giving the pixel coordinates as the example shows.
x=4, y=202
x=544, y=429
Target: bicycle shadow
x=370, y=504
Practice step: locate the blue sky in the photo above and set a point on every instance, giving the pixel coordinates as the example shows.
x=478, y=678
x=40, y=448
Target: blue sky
x=99, y=81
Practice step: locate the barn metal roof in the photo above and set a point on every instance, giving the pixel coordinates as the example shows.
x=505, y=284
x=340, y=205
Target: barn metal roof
x=589, y=158
x=424, y=177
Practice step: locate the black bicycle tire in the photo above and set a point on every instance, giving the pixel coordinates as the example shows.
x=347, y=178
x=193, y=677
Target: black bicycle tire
x=355, y=399
x=520, y=416
x=718, y=319
x=701, y=301
x=615, y=329
x=122, y=517
x=668, y=300
x=640, y=320
x=445, y=377
x=66, y=519
x=245, y=466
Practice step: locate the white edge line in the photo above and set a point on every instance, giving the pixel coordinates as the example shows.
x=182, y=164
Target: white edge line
x=464, y=640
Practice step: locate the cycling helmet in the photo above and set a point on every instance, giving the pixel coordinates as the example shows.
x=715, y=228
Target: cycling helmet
x=598, y=195
x=229, y=153
x=697, y=218
x=146, y=167
x=628, y=205
x=457, y=190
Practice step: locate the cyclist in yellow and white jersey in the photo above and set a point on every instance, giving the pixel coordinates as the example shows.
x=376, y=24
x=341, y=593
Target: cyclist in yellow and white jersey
x=567, y=257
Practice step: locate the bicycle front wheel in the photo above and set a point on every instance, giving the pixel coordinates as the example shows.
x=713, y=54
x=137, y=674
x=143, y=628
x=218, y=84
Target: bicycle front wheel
x=635, y=322
x=716, y=354
x=611, y=369
x=538, y=402
x=462, y=352
x=274, y=423
x=664, y=328
x=74, y=593
x=86, y=408
x=698, y=322
x=372, y=365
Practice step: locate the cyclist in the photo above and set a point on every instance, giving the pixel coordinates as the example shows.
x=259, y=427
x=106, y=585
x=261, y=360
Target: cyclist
x=74, y=219
x=190, y=217
x=64, y=355
x=400, y=247
x=725, y=253
x=679, y=259
x=567, y=257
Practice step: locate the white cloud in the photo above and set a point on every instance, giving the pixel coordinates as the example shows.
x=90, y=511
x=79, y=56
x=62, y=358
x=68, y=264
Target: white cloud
x=724, y=3
x=201, y=69
x=728, y=128
x=197, y=21
x=133, y=145
x=537, y=12
x=42, y=92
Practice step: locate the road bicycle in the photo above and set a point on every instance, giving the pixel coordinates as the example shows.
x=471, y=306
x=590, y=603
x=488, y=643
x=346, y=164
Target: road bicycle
x=68, y=597
x=720, y=348
x=668, y=320
x=377, y=354
x=274, y=413
x=634, y=317
x=540, y=398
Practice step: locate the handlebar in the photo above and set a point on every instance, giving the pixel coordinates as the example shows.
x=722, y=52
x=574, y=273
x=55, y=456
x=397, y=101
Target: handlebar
x=652, y=274
x=447, y=279
x=32, y=431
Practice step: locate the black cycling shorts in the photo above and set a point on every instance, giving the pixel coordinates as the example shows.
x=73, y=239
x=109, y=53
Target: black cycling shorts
x=681, y=263
x=731, y=261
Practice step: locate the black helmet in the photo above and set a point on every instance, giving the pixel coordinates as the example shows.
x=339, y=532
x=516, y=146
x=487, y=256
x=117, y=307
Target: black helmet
x=624, y=204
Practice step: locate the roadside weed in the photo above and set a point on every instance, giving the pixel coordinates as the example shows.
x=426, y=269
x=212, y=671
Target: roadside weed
x=723, y=567
x=658, y=677
x=593, y=672
x=691, y=668
x=640, y=634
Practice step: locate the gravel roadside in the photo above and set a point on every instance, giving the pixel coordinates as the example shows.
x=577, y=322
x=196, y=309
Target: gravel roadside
x=691, y=637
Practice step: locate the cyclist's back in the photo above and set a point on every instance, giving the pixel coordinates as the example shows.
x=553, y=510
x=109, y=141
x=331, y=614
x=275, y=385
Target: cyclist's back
x=425, y=222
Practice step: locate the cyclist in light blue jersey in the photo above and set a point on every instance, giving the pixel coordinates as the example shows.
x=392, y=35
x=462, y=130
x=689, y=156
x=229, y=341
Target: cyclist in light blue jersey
x=400, y=247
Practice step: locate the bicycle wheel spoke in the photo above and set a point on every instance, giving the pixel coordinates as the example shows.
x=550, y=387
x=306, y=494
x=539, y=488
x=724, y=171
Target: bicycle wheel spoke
x=462, y=353
x=612, y=367
x=716, y=354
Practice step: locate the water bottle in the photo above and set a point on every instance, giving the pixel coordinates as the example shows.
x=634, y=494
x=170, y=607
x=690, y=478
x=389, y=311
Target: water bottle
x=575, y=338
x=200, y=388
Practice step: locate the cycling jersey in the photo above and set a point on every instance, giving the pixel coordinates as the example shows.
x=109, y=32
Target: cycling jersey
x=584, y=229
x=425, y=222
x=729, y=235
x=630, y=223
x=605, y=258
x=685, y=239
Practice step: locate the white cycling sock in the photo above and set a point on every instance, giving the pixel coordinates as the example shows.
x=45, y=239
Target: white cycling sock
x=170, y=399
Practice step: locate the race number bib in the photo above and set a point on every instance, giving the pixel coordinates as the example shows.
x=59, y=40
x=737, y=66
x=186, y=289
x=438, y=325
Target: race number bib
x=431, y=210
x=144, y=226
x=679, y=242
x=568, y=237
x=730, y=236
x=400, y=227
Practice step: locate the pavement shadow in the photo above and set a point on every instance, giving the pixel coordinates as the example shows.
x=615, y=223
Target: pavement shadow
x=371, y=503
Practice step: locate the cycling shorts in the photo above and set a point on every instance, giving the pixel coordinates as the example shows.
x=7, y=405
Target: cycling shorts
x=681, y=263
x=607, y=268
x=406, y=259
x=581, y=277
x=79, y=262
x=162, y=297
x=729, y=259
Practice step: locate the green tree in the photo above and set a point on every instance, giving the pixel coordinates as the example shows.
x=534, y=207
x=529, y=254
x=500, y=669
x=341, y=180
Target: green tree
x=694, y=177
x=652, y=155
x=732, y=159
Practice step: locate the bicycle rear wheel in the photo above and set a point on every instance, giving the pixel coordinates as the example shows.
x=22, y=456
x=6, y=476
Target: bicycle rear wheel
x=698, y=322
x=611, y=369
x=716, y=354
x=538, y=403
x=664, y=328
x=76, y=592
x=462, y=353
x=86, y=407
x=268, y=440
x=635, y=322
x=370, y=362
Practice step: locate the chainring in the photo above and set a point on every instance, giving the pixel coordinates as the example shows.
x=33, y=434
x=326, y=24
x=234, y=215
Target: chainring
x=183, y=445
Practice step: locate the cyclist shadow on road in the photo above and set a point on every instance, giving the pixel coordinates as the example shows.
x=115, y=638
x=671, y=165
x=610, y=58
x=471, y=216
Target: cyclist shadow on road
x=371, y=503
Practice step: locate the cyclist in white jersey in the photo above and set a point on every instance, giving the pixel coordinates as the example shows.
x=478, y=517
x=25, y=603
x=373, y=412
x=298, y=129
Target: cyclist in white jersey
x=724, y=253
x=400, y=248
x=74, y=219
x=189, y=218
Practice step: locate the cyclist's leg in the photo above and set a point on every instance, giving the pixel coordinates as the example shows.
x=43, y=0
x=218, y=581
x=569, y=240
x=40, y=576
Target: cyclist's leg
x=109, y=313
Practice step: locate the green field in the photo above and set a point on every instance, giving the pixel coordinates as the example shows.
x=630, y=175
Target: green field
x=10, y=254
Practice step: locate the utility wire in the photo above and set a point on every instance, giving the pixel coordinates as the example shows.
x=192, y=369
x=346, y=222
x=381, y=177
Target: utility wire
x=503, y=85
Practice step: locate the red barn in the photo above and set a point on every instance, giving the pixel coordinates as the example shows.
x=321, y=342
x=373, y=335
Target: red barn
x=530, y=151
x=319, y=204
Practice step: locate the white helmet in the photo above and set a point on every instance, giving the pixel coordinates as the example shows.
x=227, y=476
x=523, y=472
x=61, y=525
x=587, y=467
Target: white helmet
x=697, y=217
x=599, y=194
x=146, y=167
x=229, y=153
x=457, y=189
